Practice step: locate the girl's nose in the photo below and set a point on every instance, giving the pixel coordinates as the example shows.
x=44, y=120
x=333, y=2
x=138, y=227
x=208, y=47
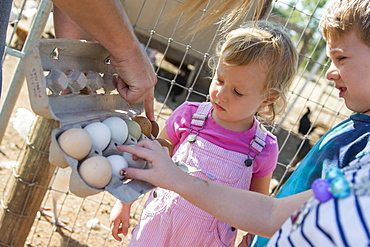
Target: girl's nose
x=332, y=73
x=221, y=93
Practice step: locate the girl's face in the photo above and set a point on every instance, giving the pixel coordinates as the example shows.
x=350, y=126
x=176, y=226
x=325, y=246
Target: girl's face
x=236, y=93
x=350, y=70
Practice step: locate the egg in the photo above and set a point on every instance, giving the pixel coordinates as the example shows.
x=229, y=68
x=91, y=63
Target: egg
x=118, y=129
x=75, y=142
x=155, y=128
x=134, y=128
x=145, y=125
x=118, y=163
x=96, y=171
x=139, y=163
x=100, y=135
x=167, y=144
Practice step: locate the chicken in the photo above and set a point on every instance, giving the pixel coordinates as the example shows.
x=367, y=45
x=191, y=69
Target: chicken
x=305, y=123
x=59, y=187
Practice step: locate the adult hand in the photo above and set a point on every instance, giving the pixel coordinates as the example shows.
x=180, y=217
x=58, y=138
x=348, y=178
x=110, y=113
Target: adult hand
x=136, y=78
x=107, y=22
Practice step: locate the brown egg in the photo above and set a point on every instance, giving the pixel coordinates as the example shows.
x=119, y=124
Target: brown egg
x=167, y=144
x=155, y=128
x=75, y=142
x=96, y=171
x=145, y=124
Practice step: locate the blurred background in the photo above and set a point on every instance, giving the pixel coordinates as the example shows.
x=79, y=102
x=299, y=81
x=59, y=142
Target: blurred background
x=181, y=64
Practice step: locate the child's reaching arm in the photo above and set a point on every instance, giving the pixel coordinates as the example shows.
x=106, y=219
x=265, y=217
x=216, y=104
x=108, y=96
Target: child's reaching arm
x=120, y=219
x=249, y=211
x=260, y=185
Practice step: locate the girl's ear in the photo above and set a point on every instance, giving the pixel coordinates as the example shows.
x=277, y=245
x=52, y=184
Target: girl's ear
x=271, y=99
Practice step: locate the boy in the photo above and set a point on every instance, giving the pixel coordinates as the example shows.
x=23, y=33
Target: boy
x=345, y=27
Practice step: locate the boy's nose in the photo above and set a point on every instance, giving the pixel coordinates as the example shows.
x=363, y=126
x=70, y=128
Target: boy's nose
x=332, y=73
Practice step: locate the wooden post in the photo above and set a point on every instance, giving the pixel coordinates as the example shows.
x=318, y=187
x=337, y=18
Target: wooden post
x=28, y=186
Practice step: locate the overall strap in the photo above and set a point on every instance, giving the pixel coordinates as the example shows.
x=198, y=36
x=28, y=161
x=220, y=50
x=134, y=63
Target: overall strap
x=198, y=119
x=259, y=140
x=200, y=116
x=257, y=144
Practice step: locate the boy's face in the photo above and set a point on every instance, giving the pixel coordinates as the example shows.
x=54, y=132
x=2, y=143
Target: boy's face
x=350, y=70
x=236, y=93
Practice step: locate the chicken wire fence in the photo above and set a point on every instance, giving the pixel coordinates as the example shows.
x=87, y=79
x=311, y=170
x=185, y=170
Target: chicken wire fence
x=180, y=62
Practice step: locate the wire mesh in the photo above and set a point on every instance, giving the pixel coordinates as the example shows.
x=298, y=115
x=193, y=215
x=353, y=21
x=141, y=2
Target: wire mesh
x=180, y=62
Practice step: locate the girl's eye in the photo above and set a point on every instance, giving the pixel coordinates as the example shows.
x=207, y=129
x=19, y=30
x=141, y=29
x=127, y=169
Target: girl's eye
x=218, y=81
x=237, y=93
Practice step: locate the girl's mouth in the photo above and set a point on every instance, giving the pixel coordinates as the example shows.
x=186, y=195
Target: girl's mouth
x=218, y=107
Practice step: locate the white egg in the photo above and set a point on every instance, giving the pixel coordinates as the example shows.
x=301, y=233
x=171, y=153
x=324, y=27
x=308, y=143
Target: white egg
x=100, y=135
x=118, y=129
x=139, y=163
x=118, y=163
x=96, y=171
x=75, y=142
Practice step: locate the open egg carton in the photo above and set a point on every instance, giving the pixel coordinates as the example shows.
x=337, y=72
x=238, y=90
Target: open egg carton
x=72, y=81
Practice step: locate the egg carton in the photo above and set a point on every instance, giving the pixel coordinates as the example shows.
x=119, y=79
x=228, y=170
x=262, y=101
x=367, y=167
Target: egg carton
x=55, y=66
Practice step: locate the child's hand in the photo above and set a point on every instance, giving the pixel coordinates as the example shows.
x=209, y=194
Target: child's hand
x=119, y=218
x=247, y=240
x=163, y=172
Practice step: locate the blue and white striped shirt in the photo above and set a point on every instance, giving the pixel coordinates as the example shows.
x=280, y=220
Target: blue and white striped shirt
x=337, y=222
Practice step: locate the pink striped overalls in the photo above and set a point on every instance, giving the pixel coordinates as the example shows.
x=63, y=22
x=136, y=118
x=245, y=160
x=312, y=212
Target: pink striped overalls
x=168, y=220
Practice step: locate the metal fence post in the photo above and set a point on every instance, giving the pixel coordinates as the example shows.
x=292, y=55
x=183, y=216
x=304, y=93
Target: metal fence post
x=15, y=86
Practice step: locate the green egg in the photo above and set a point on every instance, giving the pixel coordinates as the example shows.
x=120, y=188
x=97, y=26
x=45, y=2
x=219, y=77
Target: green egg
x=134, y=129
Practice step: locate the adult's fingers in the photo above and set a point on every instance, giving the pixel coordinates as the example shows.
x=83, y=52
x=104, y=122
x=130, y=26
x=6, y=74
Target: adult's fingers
x=148, y=104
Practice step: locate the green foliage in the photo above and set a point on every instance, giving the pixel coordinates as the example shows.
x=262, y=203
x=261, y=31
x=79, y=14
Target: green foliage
x=302, y=18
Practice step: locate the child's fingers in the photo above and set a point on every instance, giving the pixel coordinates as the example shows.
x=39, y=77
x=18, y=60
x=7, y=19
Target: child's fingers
x=136, y=173
x=115, y=231
x=249, y=238
x=146, y=149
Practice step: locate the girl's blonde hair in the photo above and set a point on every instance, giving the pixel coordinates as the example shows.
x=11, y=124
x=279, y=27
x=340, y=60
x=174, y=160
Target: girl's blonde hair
x=231, y=11
x=269, y=45
x=344, y=16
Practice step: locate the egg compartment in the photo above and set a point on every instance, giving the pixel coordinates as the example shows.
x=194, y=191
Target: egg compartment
x=125, y=190
x=82, y=68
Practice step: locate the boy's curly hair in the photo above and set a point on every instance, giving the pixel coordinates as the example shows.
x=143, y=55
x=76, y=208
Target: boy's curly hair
x=268, y=44
x=344, y=16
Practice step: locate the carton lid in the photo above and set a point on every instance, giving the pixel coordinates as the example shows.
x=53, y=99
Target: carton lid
x=56, y=65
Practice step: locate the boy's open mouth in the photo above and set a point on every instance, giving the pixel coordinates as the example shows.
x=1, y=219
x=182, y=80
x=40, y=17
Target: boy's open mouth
x=342, y=91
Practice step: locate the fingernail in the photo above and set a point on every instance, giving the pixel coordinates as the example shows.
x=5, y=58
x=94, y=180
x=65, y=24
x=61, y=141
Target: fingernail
x=122, y=172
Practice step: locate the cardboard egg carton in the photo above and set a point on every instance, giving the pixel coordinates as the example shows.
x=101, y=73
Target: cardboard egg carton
x=82, y=68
